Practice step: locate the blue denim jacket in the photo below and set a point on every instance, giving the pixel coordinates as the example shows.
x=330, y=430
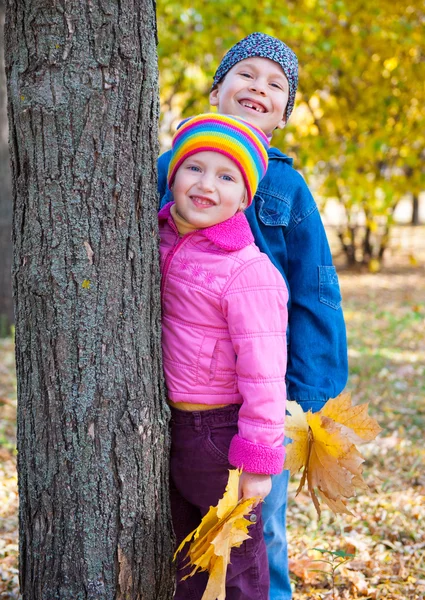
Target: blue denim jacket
x=287, y=226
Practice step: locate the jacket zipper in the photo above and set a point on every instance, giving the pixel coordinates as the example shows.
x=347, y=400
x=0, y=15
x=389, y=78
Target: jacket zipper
x=178, y=244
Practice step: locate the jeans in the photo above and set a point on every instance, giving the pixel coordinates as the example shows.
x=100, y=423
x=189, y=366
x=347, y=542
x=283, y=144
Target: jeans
x=274, y=517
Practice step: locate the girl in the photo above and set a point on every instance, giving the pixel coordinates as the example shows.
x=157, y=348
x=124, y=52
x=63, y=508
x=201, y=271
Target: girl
x=224, y=338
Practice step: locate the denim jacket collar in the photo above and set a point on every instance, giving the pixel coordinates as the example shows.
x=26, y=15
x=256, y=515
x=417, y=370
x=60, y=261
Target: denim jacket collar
x=274, y=153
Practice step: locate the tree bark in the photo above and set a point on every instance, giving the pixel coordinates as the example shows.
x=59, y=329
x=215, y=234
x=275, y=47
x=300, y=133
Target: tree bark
x=92, y=421
x=6, y=303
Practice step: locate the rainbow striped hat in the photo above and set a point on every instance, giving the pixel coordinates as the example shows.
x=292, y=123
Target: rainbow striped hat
x=243, y=143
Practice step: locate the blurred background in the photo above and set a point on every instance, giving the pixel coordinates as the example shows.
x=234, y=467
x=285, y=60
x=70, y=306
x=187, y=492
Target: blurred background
x=358, y=131
x=357, y=135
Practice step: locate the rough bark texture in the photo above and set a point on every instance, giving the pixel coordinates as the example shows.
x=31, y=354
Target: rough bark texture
x=92, y=421
x=6, y=304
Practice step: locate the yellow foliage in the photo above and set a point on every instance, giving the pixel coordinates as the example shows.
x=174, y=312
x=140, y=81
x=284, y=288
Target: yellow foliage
x=413, y=261
x=391, y=63
x=374, y=265
x=359, y=117
x=224, y=527
x=323, y=444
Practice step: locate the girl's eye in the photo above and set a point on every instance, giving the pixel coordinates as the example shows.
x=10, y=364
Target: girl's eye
x=277, y=85
x=248, y=75
x=227, y=178
x=194, y=168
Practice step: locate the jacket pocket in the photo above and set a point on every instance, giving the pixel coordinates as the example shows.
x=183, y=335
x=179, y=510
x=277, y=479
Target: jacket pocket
x=272, y=211
x=206, y=365
x=329, y=292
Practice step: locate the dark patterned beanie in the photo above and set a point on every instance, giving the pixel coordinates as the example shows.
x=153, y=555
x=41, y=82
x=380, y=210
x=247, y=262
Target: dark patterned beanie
x=264, y=46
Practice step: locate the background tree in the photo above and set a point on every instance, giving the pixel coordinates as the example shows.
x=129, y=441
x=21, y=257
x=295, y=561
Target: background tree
x=92, y=422
x=357, y=131
x=6, y=304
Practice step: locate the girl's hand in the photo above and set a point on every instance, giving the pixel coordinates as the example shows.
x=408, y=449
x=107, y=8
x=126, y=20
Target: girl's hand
x=254, y=485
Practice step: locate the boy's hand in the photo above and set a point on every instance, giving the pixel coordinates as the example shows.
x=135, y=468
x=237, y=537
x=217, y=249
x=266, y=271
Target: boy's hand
x=253, y=485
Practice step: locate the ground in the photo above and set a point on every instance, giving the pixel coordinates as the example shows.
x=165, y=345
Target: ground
x=385, y=316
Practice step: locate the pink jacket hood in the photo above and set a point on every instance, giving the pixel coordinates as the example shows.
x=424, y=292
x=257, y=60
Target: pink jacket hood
x=224, y=332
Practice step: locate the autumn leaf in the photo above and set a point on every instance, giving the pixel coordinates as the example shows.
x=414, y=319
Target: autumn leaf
x=354, y=417
x=224, y=527
x=324, y=446
x=296, y=428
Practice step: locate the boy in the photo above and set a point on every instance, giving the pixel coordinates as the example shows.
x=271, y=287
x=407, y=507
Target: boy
x=257, y=80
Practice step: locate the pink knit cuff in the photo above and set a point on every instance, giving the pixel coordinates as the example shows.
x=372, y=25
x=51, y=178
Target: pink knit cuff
x=256, y=458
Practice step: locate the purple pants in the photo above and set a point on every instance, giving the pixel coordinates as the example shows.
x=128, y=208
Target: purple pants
x=199, y=472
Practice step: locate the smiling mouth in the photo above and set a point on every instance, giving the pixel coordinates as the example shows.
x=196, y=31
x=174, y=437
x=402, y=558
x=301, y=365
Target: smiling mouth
x=201, y=201
x=256, y=106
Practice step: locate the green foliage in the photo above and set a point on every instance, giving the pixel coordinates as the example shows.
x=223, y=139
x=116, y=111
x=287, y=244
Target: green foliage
x=335, y=559
x=358, y=130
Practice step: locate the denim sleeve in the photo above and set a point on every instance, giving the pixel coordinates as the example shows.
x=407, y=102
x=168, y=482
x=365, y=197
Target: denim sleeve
x=317, y=357
x=164, y=192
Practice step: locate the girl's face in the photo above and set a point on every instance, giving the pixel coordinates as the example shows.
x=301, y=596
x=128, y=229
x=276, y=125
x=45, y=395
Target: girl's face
x=208, y=189
x=255, y=89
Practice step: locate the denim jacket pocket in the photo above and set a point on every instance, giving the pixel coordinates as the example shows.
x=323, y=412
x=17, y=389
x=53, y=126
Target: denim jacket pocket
x=272, y=210
x=329, y=292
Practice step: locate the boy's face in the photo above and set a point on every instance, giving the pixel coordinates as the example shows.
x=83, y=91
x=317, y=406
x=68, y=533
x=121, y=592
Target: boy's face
x=208, y=189
x=255, y=89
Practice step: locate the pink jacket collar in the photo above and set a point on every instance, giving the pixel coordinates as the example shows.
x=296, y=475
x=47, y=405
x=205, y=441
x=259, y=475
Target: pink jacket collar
x=233, y=234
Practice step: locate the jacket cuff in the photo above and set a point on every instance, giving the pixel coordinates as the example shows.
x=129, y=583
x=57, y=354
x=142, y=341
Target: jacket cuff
x=256, y=458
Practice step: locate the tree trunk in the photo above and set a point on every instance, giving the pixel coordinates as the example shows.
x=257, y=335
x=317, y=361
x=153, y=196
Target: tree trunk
x=349, y=248
x=415, y=210
x=92, y=421
x=6, y=304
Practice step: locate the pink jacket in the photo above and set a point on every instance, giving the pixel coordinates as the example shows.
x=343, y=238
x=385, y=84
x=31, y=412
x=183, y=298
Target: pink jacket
x=224, y=333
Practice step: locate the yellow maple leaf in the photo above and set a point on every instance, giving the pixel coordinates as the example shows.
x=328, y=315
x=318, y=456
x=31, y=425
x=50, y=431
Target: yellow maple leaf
x=354, y=417
x=231, y=494
x=336, y=506
x=224, y=527
x=296, y=428
x=323, y=445
x=225, y=504
x=216, y=586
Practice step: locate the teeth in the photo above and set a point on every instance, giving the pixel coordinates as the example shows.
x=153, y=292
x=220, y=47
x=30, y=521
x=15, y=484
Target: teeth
x=202, y=201
x=249, y=105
